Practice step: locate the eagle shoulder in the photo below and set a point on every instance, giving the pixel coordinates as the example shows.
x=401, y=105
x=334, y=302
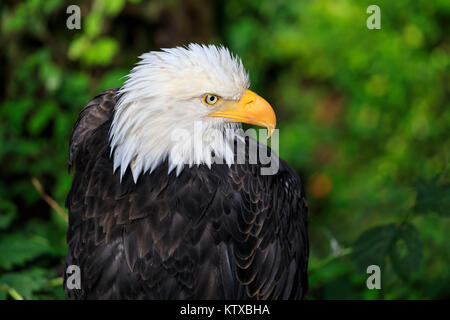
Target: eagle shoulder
x=99, y=110
x=265, y=217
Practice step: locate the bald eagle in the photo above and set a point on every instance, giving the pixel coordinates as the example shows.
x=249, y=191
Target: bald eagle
x=159, y=211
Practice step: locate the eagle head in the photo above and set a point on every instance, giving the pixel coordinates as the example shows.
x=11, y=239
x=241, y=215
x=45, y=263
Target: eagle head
x=177, y=104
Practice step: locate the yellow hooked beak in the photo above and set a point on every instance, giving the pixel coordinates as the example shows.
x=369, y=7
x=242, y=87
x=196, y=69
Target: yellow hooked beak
x=250, y=109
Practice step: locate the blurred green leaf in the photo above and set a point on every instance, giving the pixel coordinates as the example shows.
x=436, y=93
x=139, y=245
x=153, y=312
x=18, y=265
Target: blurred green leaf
x=78, y=47
x=41, y=118
x=74, y=91
x=93, y=24
x=399, y=242
x=18, y=248
x=55, y=237
x=14, y=113
x=51, y=76
x=113, y=7
x=8, y=213
x=25, y=282
x=113, y=79
x=374, y=246
x=407, y=252
x=16, y=20
x=433, y=196
x=101, y=52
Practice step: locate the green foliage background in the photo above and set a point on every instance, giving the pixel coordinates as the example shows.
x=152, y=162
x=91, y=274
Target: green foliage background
x=363, y=115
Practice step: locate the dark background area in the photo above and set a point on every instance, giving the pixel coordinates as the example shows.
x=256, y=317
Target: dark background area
x=363, y=115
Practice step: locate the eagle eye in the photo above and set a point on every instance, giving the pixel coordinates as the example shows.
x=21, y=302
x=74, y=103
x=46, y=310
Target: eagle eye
x=210, y=99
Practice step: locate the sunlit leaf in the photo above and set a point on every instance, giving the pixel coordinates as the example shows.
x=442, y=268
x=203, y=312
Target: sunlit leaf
x=78, y=47
x=113, y=7
x=101, y=52
x=93, y=24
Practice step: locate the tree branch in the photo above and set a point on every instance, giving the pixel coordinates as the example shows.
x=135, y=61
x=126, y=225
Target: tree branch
x=52, y=203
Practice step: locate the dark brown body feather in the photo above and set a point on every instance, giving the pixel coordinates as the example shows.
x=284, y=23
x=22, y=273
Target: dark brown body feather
x=219, y=233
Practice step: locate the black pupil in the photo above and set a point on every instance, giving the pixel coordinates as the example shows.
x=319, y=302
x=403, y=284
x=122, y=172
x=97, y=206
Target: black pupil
x=211, y=99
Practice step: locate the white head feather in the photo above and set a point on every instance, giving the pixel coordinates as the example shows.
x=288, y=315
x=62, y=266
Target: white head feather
x=162, y=97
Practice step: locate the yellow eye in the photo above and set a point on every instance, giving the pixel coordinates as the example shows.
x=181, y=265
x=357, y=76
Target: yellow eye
x=210, y=99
